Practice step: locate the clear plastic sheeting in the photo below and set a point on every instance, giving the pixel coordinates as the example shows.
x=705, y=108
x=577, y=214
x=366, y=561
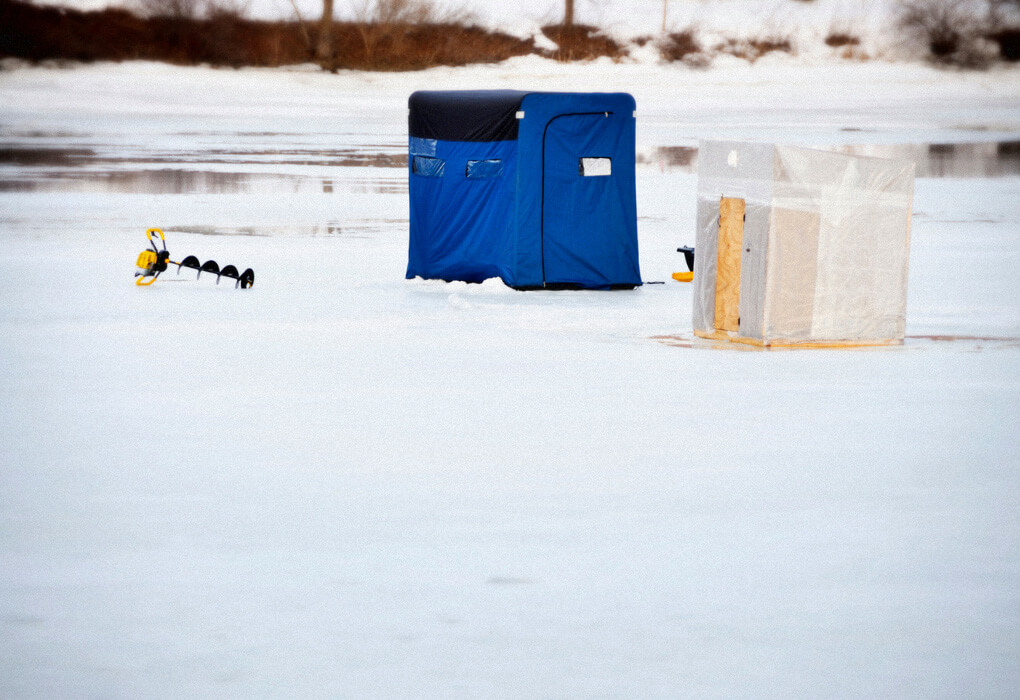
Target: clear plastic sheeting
x=422, y=147
x=482, y=169
x=428, y=167
x=823, y=244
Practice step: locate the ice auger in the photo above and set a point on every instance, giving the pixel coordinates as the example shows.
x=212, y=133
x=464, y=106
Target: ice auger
x=688, y=252
x=153, y=262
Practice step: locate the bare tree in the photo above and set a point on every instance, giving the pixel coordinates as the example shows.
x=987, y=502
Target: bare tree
x=950, y=30
x=324, y=49
x=301, y=24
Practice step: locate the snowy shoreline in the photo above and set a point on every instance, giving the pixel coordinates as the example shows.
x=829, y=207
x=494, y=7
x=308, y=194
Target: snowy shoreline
x=829, y=96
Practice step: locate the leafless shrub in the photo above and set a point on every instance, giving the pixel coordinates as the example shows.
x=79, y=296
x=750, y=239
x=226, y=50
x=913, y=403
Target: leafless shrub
x=678, y=46
x=1004, y=27
x=753, y=48
x=950, y=31
x=384, y=26
x=1009, y=43
x=391, y=12
x=386, y=21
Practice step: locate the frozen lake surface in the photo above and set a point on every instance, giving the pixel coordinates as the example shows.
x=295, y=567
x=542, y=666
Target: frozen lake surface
x=341, y=483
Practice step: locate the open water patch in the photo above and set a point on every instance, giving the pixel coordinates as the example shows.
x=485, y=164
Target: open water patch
x=190, y=181
x=990, y=159
x=80, y=163
x=365, y=228
x=50, y=165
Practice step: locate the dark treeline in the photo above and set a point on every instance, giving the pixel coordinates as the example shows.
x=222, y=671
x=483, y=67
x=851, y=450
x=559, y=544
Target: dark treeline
x=951, y=34
x=37, y=33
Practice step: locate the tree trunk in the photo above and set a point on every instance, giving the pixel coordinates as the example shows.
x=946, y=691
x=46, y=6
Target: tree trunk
x=568, y=16
x=324, y=50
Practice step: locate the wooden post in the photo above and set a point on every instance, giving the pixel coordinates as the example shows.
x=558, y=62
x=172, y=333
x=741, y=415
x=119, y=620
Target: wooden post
x=568, y=16
x=727, y=273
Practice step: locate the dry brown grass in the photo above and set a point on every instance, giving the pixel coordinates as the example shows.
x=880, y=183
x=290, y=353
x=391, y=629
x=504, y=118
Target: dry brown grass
x=418, y=46
x=580, y=42
x=753, y=48
x=839, y=39
x=226, y=39
x=847, y=44
x=390, y=35
x=41, y=33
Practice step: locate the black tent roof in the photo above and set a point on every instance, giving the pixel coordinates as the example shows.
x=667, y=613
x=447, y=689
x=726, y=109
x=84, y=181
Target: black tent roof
x=465, y=115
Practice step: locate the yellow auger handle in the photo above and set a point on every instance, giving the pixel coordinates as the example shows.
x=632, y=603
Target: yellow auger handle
x=141, y=281
x=149, y=232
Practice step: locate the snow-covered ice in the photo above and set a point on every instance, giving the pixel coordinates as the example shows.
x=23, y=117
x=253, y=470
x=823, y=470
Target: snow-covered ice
x=341, y=483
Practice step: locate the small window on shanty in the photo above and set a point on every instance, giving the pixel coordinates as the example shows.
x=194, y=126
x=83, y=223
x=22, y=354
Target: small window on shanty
x=428, y=167
x=479, y=169
x=596, y=167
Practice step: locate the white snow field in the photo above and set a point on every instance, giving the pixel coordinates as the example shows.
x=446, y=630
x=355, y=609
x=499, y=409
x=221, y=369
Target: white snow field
x=344, y=484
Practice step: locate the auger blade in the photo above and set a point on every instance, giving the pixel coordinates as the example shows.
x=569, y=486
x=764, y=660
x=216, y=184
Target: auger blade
x=190, y=262
x=246, y=279
x=230, y=271
x=210, y=266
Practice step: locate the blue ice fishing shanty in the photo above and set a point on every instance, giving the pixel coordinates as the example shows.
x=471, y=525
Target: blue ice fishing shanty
x=536, y=188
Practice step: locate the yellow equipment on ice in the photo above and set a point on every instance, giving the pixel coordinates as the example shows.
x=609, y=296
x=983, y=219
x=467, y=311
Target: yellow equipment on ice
x=151, y=263
x=689, y=259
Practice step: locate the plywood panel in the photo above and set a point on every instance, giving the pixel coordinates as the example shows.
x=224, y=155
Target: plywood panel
x=792, y=270
x=727, y=276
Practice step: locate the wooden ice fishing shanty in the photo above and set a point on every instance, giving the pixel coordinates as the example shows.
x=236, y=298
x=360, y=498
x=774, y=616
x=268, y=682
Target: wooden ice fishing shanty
x=801, y=247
